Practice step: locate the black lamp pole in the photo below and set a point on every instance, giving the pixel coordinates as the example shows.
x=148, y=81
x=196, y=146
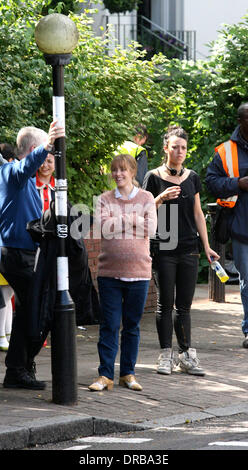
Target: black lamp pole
x=63, y=332
x=63, y=342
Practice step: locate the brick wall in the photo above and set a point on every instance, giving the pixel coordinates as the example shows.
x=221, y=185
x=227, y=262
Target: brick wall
x=93, y=249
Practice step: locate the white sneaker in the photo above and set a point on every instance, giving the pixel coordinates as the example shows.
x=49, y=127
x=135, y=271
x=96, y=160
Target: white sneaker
x=188, y=362
x=165, y=362
x=4, y=344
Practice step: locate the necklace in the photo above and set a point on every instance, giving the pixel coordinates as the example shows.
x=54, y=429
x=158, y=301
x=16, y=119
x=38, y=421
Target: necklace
x=173, y=171
x=176, y=174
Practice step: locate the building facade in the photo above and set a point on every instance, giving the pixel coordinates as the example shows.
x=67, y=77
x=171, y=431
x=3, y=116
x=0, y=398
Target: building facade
x=194, y=23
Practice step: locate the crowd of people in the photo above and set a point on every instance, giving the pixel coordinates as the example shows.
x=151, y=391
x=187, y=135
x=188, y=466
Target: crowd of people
x=133, y=220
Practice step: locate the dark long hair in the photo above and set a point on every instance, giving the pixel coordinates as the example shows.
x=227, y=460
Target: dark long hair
x=177, y=131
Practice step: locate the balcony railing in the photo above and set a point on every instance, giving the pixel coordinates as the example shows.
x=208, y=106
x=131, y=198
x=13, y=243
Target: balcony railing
x=153, y=38
x=122, y=30
x=173, y=44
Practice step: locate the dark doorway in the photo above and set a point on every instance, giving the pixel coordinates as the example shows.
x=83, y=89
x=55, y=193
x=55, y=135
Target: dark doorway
x=144, y=8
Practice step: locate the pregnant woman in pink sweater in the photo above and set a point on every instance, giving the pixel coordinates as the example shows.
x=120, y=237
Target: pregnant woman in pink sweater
x=126, y=217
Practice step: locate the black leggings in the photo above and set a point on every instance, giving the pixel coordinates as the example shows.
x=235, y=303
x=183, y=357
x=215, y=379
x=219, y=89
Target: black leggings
x=175, y=278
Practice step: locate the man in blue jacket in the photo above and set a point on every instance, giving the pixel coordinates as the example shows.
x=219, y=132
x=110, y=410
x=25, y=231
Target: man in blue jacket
x=235, y=187
x=20, y=203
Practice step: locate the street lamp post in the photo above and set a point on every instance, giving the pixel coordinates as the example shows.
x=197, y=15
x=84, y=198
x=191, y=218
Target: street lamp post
x=56, y=36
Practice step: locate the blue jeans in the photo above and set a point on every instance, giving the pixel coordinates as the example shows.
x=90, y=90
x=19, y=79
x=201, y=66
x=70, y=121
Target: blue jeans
x=120, y=300
x=240, y=257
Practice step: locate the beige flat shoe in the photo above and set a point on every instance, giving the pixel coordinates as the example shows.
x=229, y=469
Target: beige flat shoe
x=130, y=381
x=101, y=383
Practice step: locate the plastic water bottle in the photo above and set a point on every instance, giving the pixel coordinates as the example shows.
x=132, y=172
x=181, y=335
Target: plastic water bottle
x=220, y=271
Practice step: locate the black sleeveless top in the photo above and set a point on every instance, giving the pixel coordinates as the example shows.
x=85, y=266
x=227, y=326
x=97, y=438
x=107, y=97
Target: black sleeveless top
x=188, y=238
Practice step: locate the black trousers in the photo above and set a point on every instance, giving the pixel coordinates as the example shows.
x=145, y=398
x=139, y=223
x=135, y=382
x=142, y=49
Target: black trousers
x=175, y=278
x=17, y=267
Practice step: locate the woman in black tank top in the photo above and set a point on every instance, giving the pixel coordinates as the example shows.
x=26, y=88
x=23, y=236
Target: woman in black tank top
x=175, y=251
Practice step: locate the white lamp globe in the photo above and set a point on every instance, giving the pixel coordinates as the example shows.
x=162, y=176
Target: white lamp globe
x=56, y=34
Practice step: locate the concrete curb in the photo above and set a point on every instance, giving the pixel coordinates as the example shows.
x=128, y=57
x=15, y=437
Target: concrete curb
x=62, y=428
x=197, y=416
x=57, y=429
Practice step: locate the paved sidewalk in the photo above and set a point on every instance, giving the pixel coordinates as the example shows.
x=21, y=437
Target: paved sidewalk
x=28, y=417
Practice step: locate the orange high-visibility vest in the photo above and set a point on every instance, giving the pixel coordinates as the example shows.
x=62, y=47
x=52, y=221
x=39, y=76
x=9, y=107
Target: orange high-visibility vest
x=228, y=152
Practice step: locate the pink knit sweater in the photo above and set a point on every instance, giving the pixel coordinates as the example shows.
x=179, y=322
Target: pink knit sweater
x=125, y=227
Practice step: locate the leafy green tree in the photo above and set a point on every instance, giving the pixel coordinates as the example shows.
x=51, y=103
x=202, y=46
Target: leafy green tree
x=229, y=62
x=65, y=7
x=105, y=96
x=204, y=97
x=120, y=6
x=114, y=94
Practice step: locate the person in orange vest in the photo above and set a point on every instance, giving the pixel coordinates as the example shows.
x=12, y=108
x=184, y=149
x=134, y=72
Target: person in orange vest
x=227, y=179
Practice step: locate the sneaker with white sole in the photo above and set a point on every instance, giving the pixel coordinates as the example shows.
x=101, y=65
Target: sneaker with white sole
x=4, y=344
x=165, y=362
x=189, y=362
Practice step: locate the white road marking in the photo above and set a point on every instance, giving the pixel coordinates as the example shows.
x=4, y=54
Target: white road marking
x=112, y=440
x=77, y=448
x=230, y=443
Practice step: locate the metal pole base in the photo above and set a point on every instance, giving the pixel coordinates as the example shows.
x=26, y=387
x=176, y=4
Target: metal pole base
x=63, y=351
x=216, y=289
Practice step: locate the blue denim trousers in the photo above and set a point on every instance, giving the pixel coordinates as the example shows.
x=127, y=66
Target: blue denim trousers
x=120, y=301
x=240, y=257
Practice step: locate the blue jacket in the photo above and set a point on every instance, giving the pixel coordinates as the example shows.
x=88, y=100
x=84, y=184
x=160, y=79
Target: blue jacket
x=19, y=199
x=220, y=185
